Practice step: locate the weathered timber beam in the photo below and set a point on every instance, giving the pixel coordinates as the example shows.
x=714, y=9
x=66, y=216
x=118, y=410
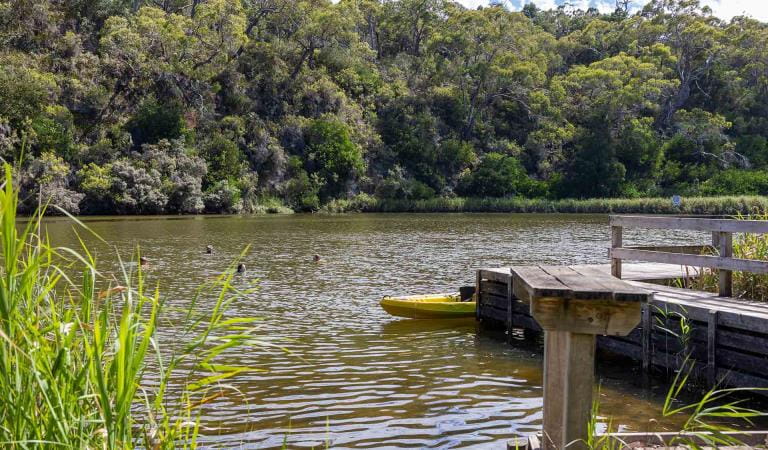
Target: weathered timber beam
x=693, y=224
x=715, y=262
x=684, y=249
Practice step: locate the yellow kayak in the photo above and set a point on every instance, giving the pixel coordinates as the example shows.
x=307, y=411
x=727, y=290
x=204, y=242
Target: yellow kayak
x=435, y=306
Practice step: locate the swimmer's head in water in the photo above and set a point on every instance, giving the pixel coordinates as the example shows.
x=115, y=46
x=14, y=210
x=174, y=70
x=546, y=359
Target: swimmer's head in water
x=316, y=258
x=241, y=268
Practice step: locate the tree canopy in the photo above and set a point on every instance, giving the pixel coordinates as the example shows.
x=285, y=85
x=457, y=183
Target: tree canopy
x=142, y=106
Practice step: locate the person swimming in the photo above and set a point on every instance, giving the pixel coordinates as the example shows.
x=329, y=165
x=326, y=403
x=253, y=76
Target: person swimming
x=241, y=268
x=209, y=249
x=144, y=261
x=316, y=258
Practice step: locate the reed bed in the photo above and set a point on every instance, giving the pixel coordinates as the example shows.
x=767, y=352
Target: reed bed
x=76, y=348
x=691, y=205
x=707, y=422
x=753, y=286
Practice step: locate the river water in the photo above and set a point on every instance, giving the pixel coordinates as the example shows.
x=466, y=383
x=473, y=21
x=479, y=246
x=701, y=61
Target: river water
x=354, y=376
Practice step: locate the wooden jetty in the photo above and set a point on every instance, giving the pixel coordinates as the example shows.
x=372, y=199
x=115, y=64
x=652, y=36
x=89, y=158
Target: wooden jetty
x=667, y=440
x=726, y=337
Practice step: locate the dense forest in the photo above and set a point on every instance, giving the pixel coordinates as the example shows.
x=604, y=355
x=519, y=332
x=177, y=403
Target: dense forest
x=188, y=106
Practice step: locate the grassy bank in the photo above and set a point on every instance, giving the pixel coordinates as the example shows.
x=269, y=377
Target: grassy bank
x=731, y=205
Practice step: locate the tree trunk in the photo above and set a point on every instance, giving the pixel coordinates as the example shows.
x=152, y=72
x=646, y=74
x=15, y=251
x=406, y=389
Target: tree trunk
x=674, y=103
x=303, y=58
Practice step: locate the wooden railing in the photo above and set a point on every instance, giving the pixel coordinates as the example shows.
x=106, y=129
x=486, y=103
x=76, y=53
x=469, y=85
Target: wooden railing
x=722, y=242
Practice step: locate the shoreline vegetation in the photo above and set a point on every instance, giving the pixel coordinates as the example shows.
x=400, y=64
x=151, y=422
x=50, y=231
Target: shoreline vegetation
x=363, y=203
x=725, y=205
x=82, y=359
x=231, y=106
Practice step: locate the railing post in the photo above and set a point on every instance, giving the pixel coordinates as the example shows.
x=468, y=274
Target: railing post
x=723, y=241
x=712, y=347
x=510, y=300
x=616, y=238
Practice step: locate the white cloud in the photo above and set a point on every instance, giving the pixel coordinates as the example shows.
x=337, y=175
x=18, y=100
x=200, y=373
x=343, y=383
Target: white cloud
x=473, y=4
x=605, y=6
x=543, y=4
x=725, y=9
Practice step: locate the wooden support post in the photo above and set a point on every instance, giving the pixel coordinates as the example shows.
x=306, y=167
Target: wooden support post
x=724, y=245
x=569, y=375
x=478, y=295
x=712, y=347
x=616, y=242
x=647, y=334
x=510, y=299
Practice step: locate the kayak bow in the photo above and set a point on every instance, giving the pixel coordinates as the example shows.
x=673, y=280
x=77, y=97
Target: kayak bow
x=435, y=306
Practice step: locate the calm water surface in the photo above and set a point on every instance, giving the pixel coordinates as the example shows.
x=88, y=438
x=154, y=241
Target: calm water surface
x=356, y=377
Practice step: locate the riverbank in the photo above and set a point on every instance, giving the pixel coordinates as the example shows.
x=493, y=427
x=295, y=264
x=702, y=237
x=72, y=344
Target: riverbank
x=727, y=205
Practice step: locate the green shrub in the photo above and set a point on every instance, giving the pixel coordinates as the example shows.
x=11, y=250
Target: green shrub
x=359, y=203
x=96, y=183
x=223, y=197
x=155, y=121
x=397, y=186
x=302, y=191
x=499, y=175
x=332, y=155
x=224, y=158
x=47, y=179
x=270, y=205
x=53, y=132
x=737, y=182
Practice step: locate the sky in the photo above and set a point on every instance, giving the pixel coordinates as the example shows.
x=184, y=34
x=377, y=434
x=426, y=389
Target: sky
x=724, y=9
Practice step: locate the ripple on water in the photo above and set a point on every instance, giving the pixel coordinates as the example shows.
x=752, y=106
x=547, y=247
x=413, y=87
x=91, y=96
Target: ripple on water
x=350, y=375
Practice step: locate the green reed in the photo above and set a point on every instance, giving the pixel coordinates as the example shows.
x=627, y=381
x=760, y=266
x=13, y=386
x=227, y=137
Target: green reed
x=745, y=246
x=75, y=348
x=706, y=422
x=727, y=205
x=751, y=246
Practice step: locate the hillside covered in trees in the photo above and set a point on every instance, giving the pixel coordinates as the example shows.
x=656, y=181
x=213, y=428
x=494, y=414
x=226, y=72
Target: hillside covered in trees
x=188, y=106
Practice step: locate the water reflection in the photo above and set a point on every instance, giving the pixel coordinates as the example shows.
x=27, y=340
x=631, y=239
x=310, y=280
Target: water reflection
x=355, y=377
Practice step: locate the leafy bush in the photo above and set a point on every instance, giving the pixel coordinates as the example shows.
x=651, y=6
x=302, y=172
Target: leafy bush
x=359, y=203
x=499, y=175
x=302, y=191
x=223, y=197
x=137, y=190
x=738, y=182
x=163, y=177
x=224, y=158
x=154, y=121
x=24, y=89
x=47, y=179
x=53, y=131
x=96, y=184
x=332, y=155
x=397, y=186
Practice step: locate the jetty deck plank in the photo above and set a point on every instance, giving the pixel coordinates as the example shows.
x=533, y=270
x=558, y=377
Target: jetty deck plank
x=630, y=271
x=534, y=282
x=646, y=271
